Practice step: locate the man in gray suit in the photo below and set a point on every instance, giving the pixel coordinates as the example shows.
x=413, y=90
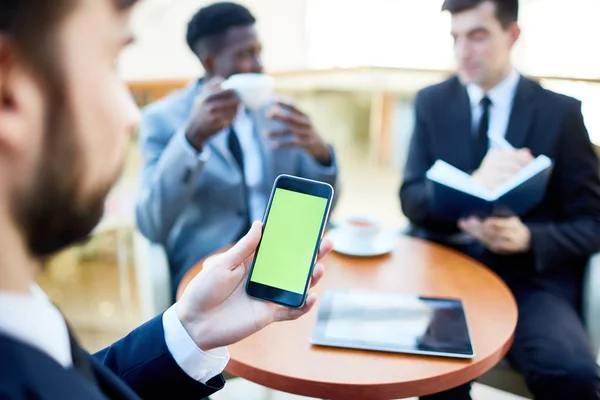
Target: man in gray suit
x=208, y=163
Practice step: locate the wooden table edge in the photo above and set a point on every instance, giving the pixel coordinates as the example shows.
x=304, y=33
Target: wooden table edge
x=419, y=387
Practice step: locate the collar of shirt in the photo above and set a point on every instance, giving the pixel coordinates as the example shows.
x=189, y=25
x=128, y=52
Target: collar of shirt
x=501, y=95
x=32, y=319
x=241, y=119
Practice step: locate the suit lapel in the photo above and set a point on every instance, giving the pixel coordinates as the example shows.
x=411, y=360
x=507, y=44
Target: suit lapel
x=220, y=147
x=192, y=91
x=28, y=367
x=460, y=142
x=522, y=114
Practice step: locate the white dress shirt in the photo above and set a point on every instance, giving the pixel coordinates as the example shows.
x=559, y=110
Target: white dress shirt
x=34, y=320
x=253, y=164
x=501, y=96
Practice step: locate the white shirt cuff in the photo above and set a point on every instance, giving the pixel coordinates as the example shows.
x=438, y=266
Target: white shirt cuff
x=199, y=365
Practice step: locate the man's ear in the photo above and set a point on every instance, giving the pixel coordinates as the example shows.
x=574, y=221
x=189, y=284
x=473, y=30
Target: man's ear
x=515, y=32
x=20, y=99
x=208, y=62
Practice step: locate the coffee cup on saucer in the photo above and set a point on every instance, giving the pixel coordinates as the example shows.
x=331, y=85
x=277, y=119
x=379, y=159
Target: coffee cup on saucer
x=360, y=231
x=255, y=90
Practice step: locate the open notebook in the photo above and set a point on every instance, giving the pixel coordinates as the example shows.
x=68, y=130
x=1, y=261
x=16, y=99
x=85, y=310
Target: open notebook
x=456, y=194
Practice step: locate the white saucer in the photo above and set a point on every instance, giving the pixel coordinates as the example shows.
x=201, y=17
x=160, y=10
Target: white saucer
x=382, y=243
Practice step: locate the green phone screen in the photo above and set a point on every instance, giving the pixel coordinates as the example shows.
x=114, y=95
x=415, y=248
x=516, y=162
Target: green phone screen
x=290, y=235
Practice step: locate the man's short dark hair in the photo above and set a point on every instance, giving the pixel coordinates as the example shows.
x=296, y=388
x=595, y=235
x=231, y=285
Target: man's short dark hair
x=207, y=28
x=8, y=10
x=31, y=25
x=507, y=11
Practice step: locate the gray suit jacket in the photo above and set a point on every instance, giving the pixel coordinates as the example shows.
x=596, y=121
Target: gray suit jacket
x=194, y=203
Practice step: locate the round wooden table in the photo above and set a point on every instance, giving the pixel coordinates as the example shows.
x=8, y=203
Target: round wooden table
x=280, y=357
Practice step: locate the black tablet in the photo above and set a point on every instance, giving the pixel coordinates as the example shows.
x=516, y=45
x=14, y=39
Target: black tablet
x=393, y=322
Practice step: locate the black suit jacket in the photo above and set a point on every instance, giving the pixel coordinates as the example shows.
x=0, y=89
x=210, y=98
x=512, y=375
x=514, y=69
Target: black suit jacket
x=137, y=366
x=565, y=226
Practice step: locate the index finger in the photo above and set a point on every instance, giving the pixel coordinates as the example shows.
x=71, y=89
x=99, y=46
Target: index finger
x=495, y=222
x=524, y=156
x=471, y=222
x=215, y=81
x=326, y=247
x=213, y=85
x=499, y=225
x=318, y=273
x=243, y=249
x=221, y=95
x=292, y=119
x=288, y=106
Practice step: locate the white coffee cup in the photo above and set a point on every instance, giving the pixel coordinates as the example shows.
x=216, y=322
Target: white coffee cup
x=255, y=90
x=360, y=230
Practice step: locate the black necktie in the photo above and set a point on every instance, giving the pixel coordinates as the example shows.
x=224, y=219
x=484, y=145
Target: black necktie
x=237, y=153
x=481, y=138
x=81, y=361
x=236, y=150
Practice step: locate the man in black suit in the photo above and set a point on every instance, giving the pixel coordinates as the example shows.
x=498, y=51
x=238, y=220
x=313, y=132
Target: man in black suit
x=490, y=121
x=65, y=121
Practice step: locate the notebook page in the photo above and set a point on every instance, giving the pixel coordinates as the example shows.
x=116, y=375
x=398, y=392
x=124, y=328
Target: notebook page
x=450, y=176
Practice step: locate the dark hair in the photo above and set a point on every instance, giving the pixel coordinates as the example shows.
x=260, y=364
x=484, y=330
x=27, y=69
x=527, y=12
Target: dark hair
x=8, y=9
x=208, y=26
x=30, y=26
x=507, y=11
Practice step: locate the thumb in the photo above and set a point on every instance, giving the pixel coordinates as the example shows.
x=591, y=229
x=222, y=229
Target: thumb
x=283, y=99
x=215, y=81
x=244, y=248
x=213, y=85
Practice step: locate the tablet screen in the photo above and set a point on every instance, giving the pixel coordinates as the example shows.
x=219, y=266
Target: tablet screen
x=393, y=322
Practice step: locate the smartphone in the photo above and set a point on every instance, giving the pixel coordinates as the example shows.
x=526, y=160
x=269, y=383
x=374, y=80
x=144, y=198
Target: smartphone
x=293, y=226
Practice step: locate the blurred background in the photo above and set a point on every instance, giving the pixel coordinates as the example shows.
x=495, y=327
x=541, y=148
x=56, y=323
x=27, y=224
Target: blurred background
x=354, y=67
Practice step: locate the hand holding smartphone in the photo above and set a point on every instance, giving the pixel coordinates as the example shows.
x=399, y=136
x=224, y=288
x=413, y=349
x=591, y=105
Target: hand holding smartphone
x=293, y=227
